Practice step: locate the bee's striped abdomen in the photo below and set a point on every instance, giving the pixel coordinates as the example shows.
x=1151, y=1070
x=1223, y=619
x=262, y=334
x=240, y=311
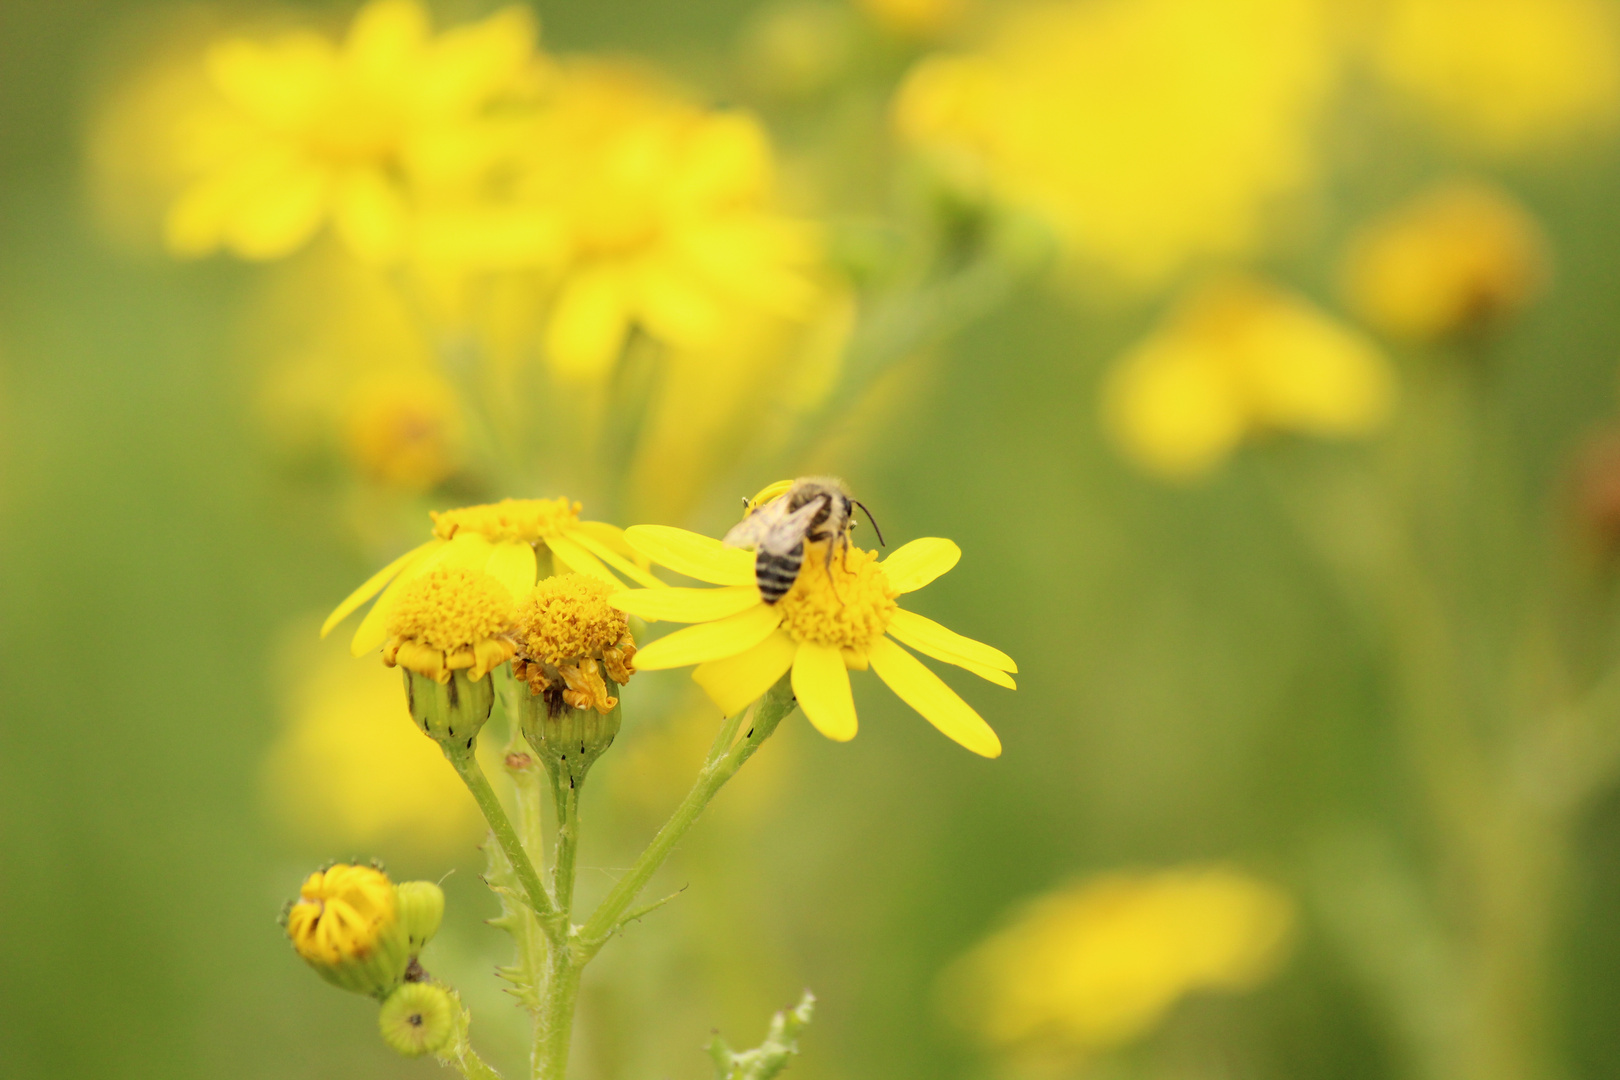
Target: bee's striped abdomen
x=775, y=574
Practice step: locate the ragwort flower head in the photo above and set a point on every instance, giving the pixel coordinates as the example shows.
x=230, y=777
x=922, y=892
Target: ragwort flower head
x=345, y=924
x=307, y=131
x=1457, y=259
x=841, y=614
x=569, y=636
x=1239, y=359
x=501, y=539
x=451, y=619
x=666, y=209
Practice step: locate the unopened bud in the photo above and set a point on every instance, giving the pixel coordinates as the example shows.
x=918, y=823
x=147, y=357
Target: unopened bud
x=421, y=909
x=345, y=924
x=418, y=1018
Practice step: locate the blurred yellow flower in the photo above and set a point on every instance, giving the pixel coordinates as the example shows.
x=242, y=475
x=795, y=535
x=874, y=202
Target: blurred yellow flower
x=340, y=913
x=1236, y=359
x=1150, y=133
x=1451, y=260
x=840, y=614
x=404, y=431
x=305, y=131
x=499, y=539
x=915, y=18
x=1098, y=964
x=349, y=770
x=1505, y=75
x=666, y=210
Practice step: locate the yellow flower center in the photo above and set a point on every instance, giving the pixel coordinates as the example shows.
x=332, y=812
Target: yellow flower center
x=451, y=609
x=568, y=617
x=510, y=519
x=568, y=635
x=850, y=606
x=340, y=912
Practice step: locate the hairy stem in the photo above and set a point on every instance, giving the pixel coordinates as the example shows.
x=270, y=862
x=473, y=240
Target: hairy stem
x=472, y=774
x=724, y=760
x=565, y=793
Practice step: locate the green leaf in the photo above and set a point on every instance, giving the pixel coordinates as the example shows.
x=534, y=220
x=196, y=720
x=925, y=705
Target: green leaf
x=769, y=1058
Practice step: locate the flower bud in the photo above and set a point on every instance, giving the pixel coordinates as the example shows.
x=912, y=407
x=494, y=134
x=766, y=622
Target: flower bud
x=569, y=739
x=418, y=1018
x=421, y=909
x=345, y=924
x=450, y=712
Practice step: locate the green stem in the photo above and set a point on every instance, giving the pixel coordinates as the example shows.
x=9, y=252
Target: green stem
x=466, y=765
x=554, y=1027
x=473, y=1067
x=565, y=793
x=724, y=761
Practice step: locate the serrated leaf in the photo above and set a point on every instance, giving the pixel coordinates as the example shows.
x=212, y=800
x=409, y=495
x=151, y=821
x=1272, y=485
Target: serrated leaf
x=517, y=920
x=767, y=1060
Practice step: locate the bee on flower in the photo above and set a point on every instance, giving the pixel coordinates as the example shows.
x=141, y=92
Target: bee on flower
x=841, y=614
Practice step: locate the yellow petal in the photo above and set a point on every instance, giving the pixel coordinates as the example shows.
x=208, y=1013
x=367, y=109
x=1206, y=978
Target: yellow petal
x=279, y=215
x=589, y=322
x=463, y=552
x=920, y=688
x=369, y=215
x=614, y=559
x=710, y=641
x=919, y=562
x=738, y=681
x=932, y=639
x=512, y=564
x=694, y=555
x=373, y=585
x=580, y=561
x=685, y=605
x=821, y=684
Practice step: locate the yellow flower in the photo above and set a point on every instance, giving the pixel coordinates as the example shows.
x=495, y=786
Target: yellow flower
x=341, y=913
x=449, y=619
x=1098, y=964
x=1237, y=359
x=1149, y=133
x=404, y=431
x=348, y=771
x=568, y=636
x=915, y=18
x=307, y=131
x=1454, y=259
x=1505, y=75
x=666, y=210
x=839, y=615
x=499, y=539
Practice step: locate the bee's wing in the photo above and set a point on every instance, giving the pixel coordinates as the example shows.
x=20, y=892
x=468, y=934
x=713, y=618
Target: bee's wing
x=752, y=529
x=786, y=534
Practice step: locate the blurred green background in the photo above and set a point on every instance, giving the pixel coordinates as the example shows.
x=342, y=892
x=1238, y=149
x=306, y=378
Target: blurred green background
x=1193, y=688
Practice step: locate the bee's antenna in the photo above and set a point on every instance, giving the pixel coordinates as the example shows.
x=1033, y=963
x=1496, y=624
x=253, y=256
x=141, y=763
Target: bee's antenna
x=872, y=519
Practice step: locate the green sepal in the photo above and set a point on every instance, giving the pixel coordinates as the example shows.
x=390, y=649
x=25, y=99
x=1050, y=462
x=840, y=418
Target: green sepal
x=450, y=713
x=569, y=740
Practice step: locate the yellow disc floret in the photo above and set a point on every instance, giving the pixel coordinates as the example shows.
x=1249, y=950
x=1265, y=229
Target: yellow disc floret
x=447, y=619
x=565, y=627
x=846, y=601
x=510, y=519
x=340, y=913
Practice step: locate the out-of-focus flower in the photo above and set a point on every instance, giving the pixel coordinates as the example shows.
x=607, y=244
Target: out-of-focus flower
x=1239, y=358
x=1505, y=75
x=1453, y=260
x=915, y=18
x=348, y=770
x=1098, y=964
x=404, y=432
x=666, y=209
x=304, y=131
x=840, y=615
x=798, y=47
x=499, y=539
x=1150, y=133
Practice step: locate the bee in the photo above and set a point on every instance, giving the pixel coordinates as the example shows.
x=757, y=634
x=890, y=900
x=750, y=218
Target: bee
x=815, y=509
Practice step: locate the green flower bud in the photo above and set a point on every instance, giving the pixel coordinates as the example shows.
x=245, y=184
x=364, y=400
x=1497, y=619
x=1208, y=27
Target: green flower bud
x=421, y=908
x=569, y=740
x=345, y=924
x=450, y=712
x=418, y=1018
